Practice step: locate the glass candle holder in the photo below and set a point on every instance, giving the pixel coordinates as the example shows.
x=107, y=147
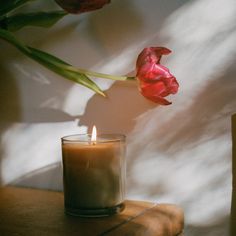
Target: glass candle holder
x=94, y=174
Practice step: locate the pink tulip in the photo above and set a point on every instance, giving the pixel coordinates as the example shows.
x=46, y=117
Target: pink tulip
x=80, y=6
x=155, y=80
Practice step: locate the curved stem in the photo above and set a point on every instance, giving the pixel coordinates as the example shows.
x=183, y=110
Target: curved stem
x=105, y=76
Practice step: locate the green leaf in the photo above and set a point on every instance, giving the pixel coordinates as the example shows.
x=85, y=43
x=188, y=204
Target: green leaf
x=7, y=6
x=7, y=36
x=51, y=62
x=58, y=66
x=41, y=19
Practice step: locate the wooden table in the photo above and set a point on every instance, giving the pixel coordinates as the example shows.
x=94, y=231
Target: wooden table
x=38, y=212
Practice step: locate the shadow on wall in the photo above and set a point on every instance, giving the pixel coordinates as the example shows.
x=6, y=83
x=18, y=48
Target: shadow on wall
x=35, y=95
x=44, y=37
x=118, y=111
x=213, y=105
x=209, y=230
x=204, y=120
x=10, y=98
x=37, y=92
x=194, y=146
x=115, y=113
x=119, y=24
x=48, y=177
x=125, y=23
x=9, y=104
x=208, y=117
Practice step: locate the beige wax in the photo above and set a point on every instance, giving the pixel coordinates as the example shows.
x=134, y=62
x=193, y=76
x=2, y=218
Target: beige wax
x=92, y=176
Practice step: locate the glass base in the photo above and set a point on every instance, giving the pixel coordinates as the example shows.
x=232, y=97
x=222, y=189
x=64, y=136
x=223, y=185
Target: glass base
x=97, y=212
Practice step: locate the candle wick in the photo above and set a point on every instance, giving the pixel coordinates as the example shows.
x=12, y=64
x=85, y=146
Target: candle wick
x=92, y=142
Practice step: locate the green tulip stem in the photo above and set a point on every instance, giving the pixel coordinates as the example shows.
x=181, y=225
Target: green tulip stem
x=104, y=76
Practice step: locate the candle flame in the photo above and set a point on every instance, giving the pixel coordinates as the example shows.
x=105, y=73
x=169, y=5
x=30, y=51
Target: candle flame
x=94, y=134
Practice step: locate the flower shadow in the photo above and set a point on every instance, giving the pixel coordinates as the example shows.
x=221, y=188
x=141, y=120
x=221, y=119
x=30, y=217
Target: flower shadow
x=118, y=111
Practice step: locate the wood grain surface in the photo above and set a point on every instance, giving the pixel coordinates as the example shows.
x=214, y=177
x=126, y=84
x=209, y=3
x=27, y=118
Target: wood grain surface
x=38, y=212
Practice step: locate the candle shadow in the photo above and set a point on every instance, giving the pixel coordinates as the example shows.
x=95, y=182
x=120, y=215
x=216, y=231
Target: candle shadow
x=48, y=177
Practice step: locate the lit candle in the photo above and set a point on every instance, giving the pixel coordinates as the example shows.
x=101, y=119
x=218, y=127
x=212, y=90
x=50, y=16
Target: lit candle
x=93, y=174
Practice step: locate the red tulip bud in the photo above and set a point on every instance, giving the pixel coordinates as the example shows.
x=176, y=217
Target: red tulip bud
x=155, y=80
x=80, y=6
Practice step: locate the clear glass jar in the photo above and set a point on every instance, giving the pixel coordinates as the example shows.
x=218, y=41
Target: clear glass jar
x=94, y=174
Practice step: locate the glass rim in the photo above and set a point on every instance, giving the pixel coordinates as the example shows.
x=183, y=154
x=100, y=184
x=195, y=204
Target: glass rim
x=101, y=138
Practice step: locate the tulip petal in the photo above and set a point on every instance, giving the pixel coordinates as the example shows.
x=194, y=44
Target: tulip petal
x=80, y=6
x=155, y=80
x=158, y=99
x=172, y=85
x=151, y=55
x=155, y=92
